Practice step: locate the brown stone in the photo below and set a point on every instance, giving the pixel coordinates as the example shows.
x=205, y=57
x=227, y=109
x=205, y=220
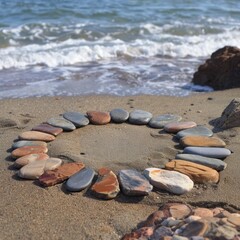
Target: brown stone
x=203, y=212
x=26, y=150
x=107, y=186
x=178, y=210
x=217, y=211
x=35, y=135
x=234, y=219
x=175, y=127
x=156, y=218
x=99, y=118
x=22, y=161
x=46, y=128
x=195, y=228
x=141, y=233
x=198, y=173
x=60, y=174
x=202, y=141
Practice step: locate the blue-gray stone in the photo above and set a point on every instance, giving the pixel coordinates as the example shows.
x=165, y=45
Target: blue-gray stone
x=212, y=152
x=77, y=118
x=214, y=163
x=62, y=123
x=133, y=183
x=80, y=180
x=139, y=117
x=119, y=115
x=23, y=143
x=161, y=120
x=195, y=131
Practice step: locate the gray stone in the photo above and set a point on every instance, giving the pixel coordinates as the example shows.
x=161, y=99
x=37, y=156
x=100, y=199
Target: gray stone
x=161, y=120
x=139, y=117
x=195, y=131
x=78, y=119
x=133, y=183
x=24, y=143
x=161, y=232
x=62, y=123
x=214, y=163
x=80, y=180
x=211, y=152
x=119, y=115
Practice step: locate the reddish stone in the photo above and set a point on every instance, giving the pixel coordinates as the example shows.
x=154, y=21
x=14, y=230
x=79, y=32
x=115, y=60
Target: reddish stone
x=234, y=219
x=202, y=141
x=60, y=174
x=178, y=210
x=203, y=212
x=217, y=211
x=35, y=135
x=99, y=118
x=141, y=233
x=156, y=218
x=107, y=186
x=175, y=127
x=46, y=128
x=26, y=150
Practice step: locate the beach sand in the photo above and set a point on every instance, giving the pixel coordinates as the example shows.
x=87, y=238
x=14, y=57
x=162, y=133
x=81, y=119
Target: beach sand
x=28, y=211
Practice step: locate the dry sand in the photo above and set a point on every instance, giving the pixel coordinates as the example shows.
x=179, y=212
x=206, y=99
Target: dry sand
x=28, y=211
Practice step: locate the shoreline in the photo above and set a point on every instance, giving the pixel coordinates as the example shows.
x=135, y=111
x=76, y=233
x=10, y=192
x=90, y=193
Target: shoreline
x=53, y=213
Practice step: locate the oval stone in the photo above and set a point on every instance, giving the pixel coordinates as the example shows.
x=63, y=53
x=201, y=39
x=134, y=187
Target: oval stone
x=170, y=181
x=195, y=131
x=214, y=163
x=197, y=172
x=77, y=118
x=119, y=115
x=23, y=143
x=22, y=161
x=46, y=128
x=80, y=180
x=133, y=183
x=161, y=120
x=35, y=135
x=99, y=118
x=175, y=127
x=202, y=141
x=212, y=152
x=139, y=117
x=61, y=123
x=26, y=150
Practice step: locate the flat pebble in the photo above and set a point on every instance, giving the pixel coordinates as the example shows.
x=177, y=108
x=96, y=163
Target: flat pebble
x=46, y=128
x=77, y=118
x=80, y=180
x=99, y=118
x=202, y=141
x=214, y=163
x=23, y=143
x=212, y=152
x=26, y=150
x=139, y=117
x=119, y=115
x=203, y=212
x=161, y=120
x=195, y=131
x=177, y=210
x=107, y=186
x=175, y=127
x=35, y=135
x=195, y=228
x=170, y=181
x=61, y=123
x=133, y=183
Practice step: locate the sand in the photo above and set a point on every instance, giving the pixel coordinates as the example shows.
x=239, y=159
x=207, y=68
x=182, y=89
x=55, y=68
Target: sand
x=28, y=211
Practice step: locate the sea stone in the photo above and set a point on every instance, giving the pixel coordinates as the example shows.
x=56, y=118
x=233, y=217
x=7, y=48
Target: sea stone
x=80, y=180
x=141, y=233
x=230, y=116
x=177, y=210
x=170, y=181
x=133, y=183
x=202, y=141
x=156, y=218
x=161, y=232
x=161, y=120
x=23, y=143
x=198, y=173
x=107, y=186
x=46, y=128
x=175, y=127
x=139, y=117
x=195, y=131
x=78, y=119
x=234, y=219
x=211, y=152
x=99, y=118
x=22, y=161
x=60, y=174
x=35, y=169
x=35, y=135
x=195, y=228
x=119, y=115
x=61, y=123
x=26, y=150
x=203, y=212
x=214, y=163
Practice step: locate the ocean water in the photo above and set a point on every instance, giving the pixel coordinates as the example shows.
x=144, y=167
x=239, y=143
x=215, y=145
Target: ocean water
x=125, y=47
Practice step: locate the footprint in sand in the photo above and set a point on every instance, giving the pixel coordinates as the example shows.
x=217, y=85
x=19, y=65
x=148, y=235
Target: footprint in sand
x=8, y=123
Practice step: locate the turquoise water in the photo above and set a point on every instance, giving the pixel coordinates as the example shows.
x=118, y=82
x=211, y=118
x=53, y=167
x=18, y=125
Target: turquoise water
x=50, y=48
